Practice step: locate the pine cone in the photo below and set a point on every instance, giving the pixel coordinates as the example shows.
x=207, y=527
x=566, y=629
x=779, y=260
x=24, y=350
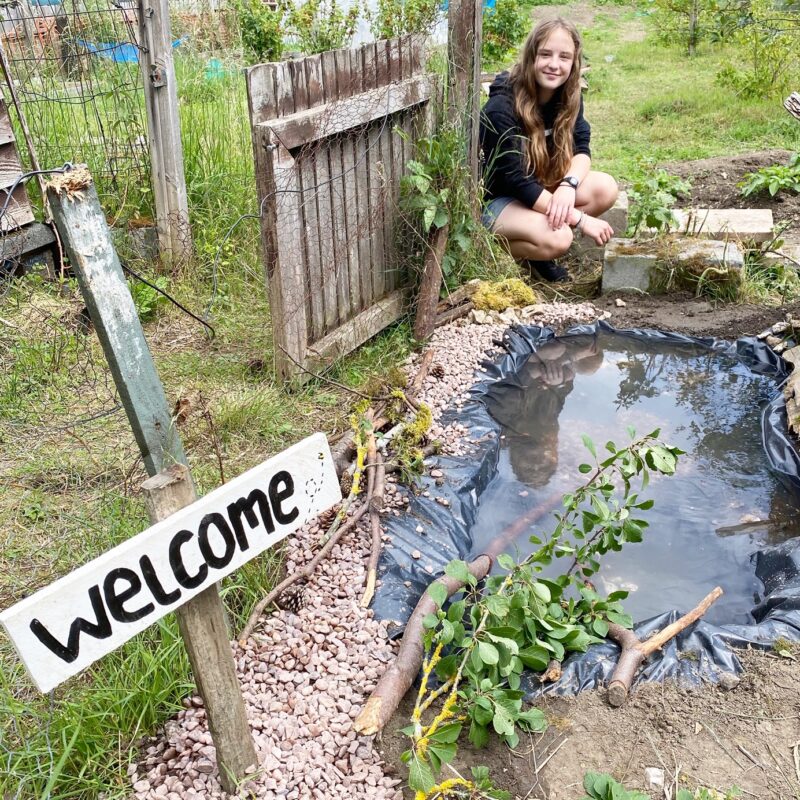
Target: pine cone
x=437, y=370
x=294, y=597
x=326, y=518
x=346, y=483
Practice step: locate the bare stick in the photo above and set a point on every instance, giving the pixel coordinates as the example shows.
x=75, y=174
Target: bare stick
x=305, y=572
x=428, y=296
x=375, y=508
x=635, y=651
x=400, y=674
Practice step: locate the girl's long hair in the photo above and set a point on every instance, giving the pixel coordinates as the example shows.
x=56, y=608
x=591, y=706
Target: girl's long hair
x=549, y=165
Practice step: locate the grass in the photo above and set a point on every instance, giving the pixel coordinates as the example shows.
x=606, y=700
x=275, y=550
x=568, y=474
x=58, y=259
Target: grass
x=68, y=495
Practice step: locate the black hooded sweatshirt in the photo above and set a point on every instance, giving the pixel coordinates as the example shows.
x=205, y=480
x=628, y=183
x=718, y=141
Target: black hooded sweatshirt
x=501, y=133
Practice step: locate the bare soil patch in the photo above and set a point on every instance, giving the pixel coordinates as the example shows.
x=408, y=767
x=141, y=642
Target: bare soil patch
x=714, y=184
x=697, y=735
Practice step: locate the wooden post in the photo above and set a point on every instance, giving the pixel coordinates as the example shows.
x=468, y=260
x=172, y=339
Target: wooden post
x=86, y=239
x=428, y=295
x=464, y=37
x=202, y=626
x=164, y=127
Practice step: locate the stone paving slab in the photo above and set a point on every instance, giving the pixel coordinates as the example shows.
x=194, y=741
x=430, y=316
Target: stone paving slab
x=726, y=223
x=633, y=265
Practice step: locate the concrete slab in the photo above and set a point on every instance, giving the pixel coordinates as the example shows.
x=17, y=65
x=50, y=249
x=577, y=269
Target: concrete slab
x=640, y=266
x=726, y=223
x=617, y=217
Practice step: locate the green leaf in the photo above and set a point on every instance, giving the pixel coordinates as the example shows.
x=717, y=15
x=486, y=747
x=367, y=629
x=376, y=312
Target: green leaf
x=428, y=216
x=600, y=627
x=478, y=735
x=488, y=653
x=458, y=570
x=438, y=593
x=430, y=621
x=659, y=458
x=626, y=620
x=456, y=611
x=584, y=468
x=533, y=719
x=497, y=604
x=589, y=444
x=420, y=776
x=505, y=561
x=445, y=752
x=542, y=591
x=447, y=733
x=535, y=658
x=502, y=722
x=446, y=632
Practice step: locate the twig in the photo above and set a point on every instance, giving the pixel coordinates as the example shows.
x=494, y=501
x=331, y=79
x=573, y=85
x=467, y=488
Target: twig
x=305, y=572
x=724, y=749
x=544, y=763
x=209, y=420
x=796, y=756
x=780, y=769
x=326, y=379
x=425, y=364
x=746, y=752
x=375, y=508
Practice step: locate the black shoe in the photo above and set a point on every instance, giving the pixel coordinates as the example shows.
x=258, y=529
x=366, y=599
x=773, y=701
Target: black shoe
x=548, y=270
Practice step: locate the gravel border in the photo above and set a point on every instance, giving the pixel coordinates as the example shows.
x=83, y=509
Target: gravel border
x=306, y=676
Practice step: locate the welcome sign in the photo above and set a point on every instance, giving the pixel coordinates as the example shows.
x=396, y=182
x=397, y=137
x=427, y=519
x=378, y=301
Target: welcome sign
x=66, y=626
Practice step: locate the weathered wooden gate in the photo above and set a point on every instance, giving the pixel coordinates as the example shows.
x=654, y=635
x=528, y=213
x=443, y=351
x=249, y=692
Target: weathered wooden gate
x=332, y=134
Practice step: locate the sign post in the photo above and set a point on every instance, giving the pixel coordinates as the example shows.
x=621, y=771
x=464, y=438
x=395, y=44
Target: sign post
x=176, y=564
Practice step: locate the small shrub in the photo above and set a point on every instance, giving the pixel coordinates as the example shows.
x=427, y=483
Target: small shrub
x=504, y=28
x=397, y=17
x=652, y=198
x=766, y=42
x=773, y=179
x=262, y=28
x=685, y=22
x=146, y=298
x=600, y=786
x=317, y=26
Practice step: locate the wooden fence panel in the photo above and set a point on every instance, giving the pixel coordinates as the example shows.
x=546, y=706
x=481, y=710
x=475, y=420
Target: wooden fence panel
x=329, y=157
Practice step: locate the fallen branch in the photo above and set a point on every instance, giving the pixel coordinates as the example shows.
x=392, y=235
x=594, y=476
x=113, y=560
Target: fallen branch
x=305, y=572
x=428, y=295
x=375, y=508
x=452, y=314
x=400, y=674
x=635, y=651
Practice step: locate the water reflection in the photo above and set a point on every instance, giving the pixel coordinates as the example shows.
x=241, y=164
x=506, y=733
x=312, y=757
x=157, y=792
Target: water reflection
x=722, y=504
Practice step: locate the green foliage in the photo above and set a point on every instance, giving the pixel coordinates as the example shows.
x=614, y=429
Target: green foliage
x=685, y=22
x=652, y=197
x=316, y=26
x=146, y=298
x=504, y=28
x=599, y=786
x=397, y=17
x=708, y=794
x=766, y=41
x=773, y=179
x=438, y=191
x=262, y=28
x=522, y=620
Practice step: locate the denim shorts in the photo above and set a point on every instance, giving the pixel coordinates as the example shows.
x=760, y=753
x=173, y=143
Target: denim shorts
x=492, y=210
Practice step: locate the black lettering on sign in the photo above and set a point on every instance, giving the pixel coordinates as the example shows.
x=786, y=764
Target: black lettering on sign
x=212, y=559
x=154, y=584
x=278, y=494
x=245, y=507
x=178, y=567
x=115, y=600
x=100, y=628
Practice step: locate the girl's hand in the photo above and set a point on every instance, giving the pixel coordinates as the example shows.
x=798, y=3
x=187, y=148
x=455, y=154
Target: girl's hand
x=561, y=203
x=597, y=229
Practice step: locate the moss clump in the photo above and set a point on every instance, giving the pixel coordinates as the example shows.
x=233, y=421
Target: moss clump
x=407, y=443
x=511, y=292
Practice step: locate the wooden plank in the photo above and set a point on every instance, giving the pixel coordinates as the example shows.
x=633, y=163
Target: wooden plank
x=349, y=197
x=164, y=130
x=312, y=67
x=202, y=625
x=10, y=165
x=394, y=168
x=340, y=264
x=334, y=118
x=85, y=236
x=284, y=90
x=360, y=141
x=375, y=180
x=18, y=211
x=385, y=143
x=319, y=148
x=6, y=131
x=357, y=330
x=261, y=100
x=287, y=284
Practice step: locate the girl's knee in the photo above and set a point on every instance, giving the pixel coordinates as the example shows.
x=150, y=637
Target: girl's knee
x=607, y=191
x=559, y=242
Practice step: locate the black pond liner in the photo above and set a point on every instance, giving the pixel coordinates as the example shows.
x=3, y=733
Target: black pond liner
x=442, y=532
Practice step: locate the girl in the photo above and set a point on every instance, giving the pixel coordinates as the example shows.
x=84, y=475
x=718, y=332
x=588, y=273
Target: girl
x=539, y=189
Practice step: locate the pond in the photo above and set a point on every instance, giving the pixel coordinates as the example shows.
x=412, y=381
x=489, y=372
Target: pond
x=723, y=503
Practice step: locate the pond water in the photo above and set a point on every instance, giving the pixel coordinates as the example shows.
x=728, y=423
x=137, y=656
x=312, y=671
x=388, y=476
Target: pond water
x=722, y=504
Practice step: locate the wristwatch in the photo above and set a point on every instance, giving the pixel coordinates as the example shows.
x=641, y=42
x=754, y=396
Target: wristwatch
x=570, y=180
